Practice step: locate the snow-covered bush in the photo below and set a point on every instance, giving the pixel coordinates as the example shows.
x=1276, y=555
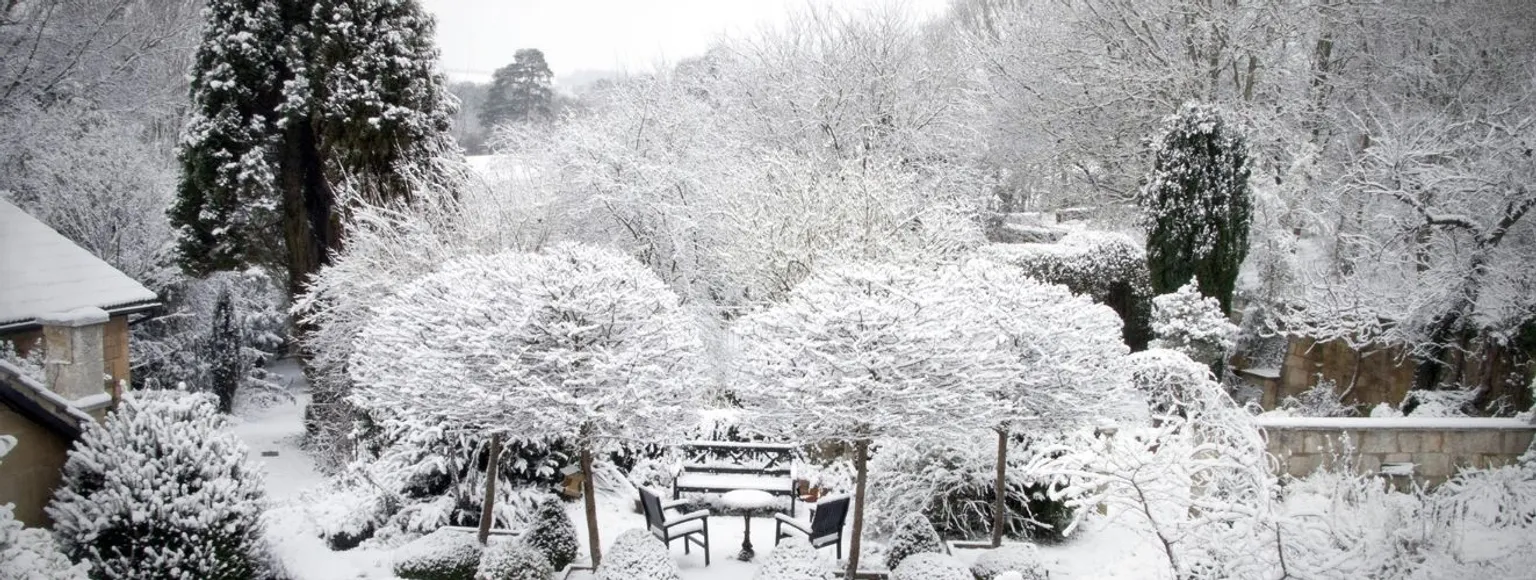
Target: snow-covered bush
x=1449, y=403
x=441, y=555
x=1021, y=559
x=553, y=534
x=794, y=559
x=30, y=554
x=1191, y=323
x=915, y=535
x=637, y=555
x=930, y=566
x=162, y=489
x=1109, y=267
x=951, y=482
x=513, y=560
x=1322, y=400
x=30, y=365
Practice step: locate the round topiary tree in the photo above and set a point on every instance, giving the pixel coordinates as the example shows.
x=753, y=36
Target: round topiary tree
x=553, y=534
x=1196, y=206
x=793, y=559
x=441, y=555
x=513, y=561
x=637, y=555
x=915, y=535
x=931, y=567
x=1022, y=560
x=162, y=489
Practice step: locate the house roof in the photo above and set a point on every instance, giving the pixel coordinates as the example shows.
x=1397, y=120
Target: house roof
x=43, y=272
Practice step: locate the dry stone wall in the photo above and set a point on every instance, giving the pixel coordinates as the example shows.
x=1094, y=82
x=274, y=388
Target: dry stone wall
x=1406, y=450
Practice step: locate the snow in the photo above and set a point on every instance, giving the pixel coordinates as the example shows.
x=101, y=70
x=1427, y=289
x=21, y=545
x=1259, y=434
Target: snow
x=274, y=434
x=733, y=481
x=1433, y=423
x=42, y=272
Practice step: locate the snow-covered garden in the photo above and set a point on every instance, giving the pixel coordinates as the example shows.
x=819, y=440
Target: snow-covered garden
x=1012, y=292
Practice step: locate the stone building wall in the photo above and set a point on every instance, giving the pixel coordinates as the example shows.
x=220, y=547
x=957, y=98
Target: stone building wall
x=1435, y=448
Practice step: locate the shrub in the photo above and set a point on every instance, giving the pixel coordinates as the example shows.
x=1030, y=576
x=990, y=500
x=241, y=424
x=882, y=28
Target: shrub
x=512, y=560
x=1021, y=559
x=637, y=555
x=553, y=534
x=931, y=567
x=31, y=554
x=793, y=559
x=1109, y=267
x=915, y=535
x=161, y=489
x=1189, y=322
x=441, y=555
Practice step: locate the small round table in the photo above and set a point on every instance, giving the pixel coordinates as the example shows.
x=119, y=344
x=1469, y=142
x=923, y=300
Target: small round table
x=747, y=500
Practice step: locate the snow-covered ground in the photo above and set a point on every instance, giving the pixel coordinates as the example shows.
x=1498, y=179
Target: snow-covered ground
x=1104, y=549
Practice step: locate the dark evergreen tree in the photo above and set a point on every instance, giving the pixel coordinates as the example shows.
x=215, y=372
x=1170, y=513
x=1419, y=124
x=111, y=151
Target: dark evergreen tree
x=226, y=360
x=553, y=534
x=290, y=99
x=1196, y=205
x=520, y=92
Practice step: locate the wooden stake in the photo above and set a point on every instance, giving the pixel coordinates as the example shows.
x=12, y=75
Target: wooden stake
x=487, y=507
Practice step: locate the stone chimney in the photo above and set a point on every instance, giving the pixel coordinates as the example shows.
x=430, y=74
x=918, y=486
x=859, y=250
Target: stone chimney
x=73, y=352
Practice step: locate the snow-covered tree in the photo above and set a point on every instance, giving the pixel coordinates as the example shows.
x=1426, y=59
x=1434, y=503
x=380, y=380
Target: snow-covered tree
x=637, y=555
x=162, y=489
x=1196, y=204
x=1066, y=364
x=575, y=343
x=915, y=535
x=226, y=363
x=553, y=534
x=1109, y=267
x=520, y=91
x=1192, y=323
x=867, y=351
x=289, y=100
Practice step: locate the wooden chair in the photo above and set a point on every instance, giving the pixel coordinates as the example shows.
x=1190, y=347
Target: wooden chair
x=692, y=527
x=826, y=527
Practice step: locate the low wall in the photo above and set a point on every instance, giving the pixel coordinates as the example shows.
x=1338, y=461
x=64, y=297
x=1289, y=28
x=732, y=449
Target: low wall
x=1435, y=448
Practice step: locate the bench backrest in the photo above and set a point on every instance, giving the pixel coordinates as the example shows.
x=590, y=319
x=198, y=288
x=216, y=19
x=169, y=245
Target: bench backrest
x=831, y=514
x=737, y=457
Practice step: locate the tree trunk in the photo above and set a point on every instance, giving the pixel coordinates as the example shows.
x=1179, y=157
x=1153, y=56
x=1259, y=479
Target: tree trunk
x=1000, y=489
x=311, y=226
x=589, y=493
x=860, y=465
x=487, y=507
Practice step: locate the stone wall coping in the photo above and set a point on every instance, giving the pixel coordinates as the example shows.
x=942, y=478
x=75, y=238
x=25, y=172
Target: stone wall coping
x=1400, y=423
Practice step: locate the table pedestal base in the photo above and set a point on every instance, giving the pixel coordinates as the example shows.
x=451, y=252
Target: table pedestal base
x=746, y=554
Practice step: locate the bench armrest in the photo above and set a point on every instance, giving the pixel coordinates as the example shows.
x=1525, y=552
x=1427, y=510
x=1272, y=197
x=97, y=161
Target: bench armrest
x=688, y=517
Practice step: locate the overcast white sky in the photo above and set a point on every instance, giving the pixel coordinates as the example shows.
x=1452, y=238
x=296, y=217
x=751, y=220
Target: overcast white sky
x=479, y=36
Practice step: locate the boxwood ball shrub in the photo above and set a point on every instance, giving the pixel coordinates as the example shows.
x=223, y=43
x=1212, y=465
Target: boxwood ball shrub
x=162, y=489
x=794, y=559
x=441, y=555
x=637, y=555
x=928, y=566
x=915, y=535
x=553, y=534
x=1022, y=559
x=513, y=560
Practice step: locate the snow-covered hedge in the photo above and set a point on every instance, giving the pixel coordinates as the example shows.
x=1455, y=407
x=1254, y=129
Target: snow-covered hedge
x=928, y=566
x=162, y=489
x=794, y=559
x=915, y=535
x=553, y=534
x=1022, y=559
x=513, y=560
x=637, y=555
x=1110, y=267
x=441, y=555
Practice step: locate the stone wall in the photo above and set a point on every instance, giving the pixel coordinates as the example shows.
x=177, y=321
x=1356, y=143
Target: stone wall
x=1383, y=374
x=1435, y=448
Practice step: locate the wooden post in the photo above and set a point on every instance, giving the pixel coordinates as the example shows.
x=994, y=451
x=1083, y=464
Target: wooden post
x=860, y=465
x=487, y=507
x=1000, y=488
x=589, y=491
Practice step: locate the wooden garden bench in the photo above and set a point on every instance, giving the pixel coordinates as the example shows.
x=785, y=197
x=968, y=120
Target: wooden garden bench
x=722, y=466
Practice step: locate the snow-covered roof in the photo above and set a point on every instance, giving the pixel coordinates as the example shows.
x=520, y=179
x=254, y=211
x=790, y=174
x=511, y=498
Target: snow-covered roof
x=43, y=272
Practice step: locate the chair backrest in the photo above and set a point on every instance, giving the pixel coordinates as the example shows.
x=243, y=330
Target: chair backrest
x=651, y=505
x=831, y=514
